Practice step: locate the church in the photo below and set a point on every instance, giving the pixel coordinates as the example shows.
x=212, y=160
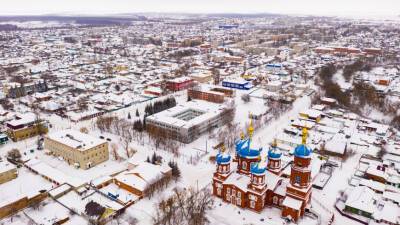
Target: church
x=257, y=183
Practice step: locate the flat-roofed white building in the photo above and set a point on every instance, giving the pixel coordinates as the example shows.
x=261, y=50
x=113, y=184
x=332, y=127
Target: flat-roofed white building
x=185, y=122
x=76, y=148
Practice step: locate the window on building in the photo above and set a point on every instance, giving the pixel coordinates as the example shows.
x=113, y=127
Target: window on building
x=297, y=179
x=219, y=191
x=228, y=191
x=238, y=201
x=244, y=165
x=239, y=194
x=252, y=204
x=275, y=200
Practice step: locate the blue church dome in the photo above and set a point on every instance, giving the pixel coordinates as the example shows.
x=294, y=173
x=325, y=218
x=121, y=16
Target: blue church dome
x=274, y=153
x=302, y=151
x=243, y=149
x=258, y=169
x=223, y=158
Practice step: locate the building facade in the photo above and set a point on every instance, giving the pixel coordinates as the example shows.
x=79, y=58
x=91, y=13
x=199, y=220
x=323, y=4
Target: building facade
x=179, y=84
x=77, y=149
x=186, y=122
x=237, y=84
x=7, y=172
x=26, y=126
x=206, y=96
x=214, y=94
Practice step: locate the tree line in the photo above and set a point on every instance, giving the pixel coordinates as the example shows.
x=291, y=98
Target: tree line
x=159, y=106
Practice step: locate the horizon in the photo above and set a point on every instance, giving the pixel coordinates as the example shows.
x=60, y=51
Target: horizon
x=340, y=8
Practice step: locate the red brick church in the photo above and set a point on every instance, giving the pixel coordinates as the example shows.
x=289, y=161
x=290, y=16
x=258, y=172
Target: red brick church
x=256, y=183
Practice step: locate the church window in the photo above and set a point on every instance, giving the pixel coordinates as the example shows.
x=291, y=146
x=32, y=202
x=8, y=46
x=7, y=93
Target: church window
x=297, y=179
x=252, y=204
x=218, y=191
x=275, y=200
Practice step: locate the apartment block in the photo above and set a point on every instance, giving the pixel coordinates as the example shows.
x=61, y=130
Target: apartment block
x=78, y=149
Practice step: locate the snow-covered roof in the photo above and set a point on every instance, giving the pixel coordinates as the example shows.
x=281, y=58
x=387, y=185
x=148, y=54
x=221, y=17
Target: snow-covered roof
x=337, y=144
x=6, y=166
x=23, y=119
x=206, y=110
x=362, y=198
x=238, y=181
x=292, y=203
x=390, y=213
x=143, y=175
x=75, y=139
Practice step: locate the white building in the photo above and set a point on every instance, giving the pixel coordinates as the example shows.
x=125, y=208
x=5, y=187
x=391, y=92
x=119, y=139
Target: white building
x=185, y=122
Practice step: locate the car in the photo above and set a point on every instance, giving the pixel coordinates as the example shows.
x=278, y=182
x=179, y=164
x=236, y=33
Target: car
x=101, y=137
x=108, y=139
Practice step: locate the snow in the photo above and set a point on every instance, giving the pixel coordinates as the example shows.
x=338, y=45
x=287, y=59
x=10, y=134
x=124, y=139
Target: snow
x=390, y=213
x=362, y=198
x=292, y=203
x=75, y=139
x=50, y=212
x=74, y=201
x=123, y=195
x=204, y=110
x=26, y=184
x=6, y=166
x=337, y=144
x=340, y=80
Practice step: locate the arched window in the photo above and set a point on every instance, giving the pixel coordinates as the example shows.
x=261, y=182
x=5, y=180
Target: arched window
x=275, y=200
x=252, y=204
x=297, y=179
x=244, y=165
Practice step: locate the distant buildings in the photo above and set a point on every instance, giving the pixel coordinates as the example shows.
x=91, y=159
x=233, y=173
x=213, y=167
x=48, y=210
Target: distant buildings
x=237, y=84
x=210, y=94
x=76, y=148
x=180, y=83
x=15, y=90
x=25, y=126
x=340, y=50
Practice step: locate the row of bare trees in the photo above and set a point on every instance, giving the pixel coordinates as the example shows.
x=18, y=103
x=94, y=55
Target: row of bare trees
x=184, y=207
x=121, y=127
x=161, y=138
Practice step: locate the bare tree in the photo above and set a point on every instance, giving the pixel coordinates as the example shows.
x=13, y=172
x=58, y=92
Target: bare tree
x=114, y=150
x=184, y=207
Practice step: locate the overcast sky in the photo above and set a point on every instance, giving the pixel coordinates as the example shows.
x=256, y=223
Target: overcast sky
x=310, y=7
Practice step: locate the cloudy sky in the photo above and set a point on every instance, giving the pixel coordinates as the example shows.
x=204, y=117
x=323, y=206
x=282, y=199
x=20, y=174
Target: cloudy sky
x=309, y=7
